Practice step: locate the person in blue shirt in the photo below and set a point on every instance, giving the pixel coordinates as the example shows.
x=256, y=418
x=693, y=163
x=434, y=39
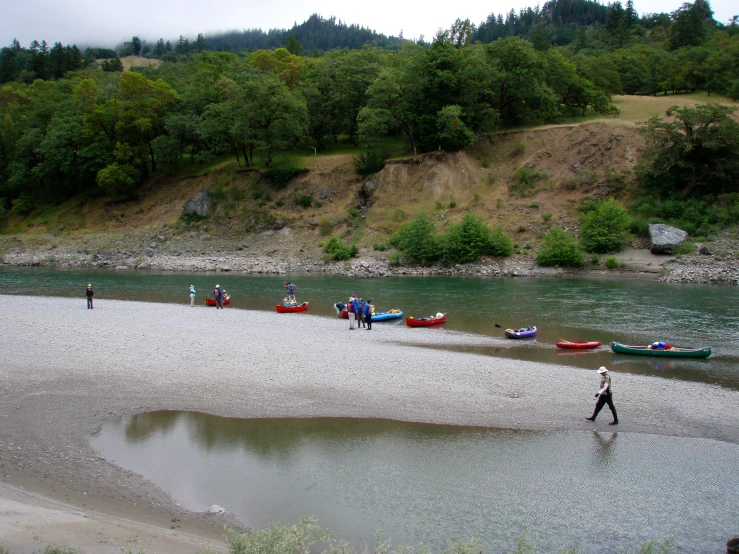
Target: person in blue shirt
x=218, y=295
x=360, y=314
x=192, y=295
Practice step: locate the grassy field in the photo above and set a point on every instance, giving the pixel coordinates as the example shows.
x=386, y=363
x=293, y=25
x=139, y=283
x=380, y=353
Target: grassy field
x=641, y=108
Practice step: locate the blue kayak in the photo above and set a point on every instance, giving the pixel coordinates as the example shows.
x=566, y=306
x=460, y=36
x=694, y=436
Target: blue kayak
x=384, y=316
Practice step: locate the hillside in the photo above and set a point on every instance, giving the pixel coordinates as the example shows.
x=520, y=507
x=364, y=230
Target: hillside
x=575, y=162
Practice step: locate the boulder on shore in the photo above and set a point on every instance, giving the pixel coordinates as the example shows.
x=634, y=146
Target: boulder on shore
x=198, y=205
x=665, y=239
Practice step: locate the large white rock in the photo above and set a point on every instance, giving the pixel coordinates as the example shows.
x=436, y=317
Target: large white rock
x=665, y=238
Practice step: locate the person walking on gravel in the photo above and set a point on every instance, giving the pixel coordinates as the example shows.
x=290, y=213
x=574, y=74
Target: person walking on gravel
x=89, y=293
x=604, y=396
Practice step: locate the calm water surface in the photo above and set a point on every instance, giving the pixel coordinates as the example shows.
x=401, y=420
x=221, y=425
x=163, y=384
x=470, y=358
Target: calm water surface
x=629, y=311
x=601, y=492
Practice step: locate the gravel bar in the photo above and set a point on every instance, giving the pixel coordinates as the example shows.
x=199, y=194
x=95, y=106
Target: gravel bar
x=65, y=370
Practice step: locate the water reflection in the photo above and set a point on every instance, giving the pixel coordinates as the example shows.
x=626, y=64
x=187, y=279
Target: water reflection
x=436, y=483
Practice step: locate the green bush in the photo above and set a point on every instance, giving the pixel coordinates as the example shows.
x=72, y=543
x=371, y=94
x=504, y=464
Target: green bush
x=379, y=246
x=595, y=259
x=369, y=161
x=281, y=176
x=417, y=241
x=471, y=238
x=285, y=539
x=560, y=249
x=605, y=229
x=611, y=262
x=697, y=216
x=526, y=180
x=546, y=218
x=337, y=250
x=23, y=205
x=302, y=200
x=518, y=149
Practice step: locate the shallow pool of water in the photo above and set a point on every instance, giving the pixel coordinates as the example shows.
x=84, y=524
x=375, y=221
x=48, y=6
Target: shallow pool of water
x=601, y=492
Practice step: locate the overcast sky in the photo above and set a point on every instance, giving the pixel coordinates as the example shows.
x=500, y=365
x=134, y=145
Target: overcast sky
x=86, y=22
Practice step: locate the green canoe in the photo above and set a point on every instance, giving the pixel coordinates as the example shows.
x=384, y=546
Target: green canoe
x=673, y=352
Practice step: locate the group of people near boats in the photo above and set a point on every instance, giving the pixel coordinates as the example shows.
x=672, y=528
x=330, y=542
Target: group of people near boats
x=360, y=311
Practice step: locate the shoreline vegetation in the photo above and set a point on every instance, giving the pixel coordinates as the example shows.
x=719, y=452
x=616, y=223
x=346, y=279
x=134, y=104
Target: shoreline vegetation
x=64, y=375
x=718, y=264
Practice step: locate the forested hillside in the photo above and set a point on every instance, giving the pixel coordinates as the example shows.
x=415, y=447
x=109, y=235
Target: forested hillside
x=69, y=128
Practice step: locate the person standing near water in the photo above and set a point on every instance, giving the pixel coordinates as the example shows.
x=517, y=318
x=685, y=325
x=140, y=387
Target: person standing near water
x=368, y=314
x=192, y=295
x=604, y=396
x=218, y=295
x=351, y=308
x=89, y=293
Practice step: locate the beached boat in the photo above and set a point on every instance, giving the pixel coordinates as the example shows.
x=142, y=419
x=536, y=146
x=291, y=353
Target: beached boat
x=424, y=321
x=212, y=301
x=672, y=352
x=578, y=345
x=290, y=308
x=523, y=333
x=386, y=316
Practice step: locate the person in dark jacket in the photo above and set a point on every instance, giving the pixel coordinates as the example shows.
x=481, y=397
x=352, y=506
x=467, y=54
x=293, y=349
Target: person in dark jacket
x=218, y=295
x=89, y=293
x=368, y=314
x=360, y=314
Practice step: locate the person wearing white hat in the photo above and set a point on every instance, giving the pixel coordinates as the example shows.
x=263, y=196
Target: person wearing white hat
x=192, y=295
x=604, y=396
x=218, y=295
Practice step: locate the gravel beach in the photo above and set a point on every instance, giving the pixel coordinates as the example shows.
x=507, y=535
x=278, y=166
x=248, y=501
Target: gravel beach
x=65, y=370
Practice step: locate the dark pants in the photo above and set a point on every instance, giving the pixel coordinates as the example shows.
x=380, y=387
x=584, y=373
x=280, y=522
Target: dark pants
x=360, y=319
x=604, y=399
x=368, y=319
x=219, y=302
x=89, y=302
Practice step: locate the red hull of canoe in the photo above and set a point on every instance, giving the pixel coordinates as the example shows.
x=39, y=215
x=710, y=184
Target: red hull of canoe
x=212, y=301
x=345, y=314
x=290, y=309
x=578, y=345
x=425, y=322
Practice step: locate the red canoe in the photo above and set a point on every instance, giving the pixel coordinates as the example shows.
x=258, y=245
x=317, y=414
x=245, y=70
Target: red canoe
x=212, y=301
x=281, y=309
x=578, y=345
x=425, y=321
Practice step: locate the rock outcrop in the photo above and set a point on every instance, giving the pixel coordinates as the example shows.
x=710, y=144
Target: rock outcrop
x=198, y=205
x=665, y=239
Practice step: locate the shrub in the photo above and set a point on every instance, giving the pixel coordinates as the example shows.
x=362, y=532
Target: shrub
x=439, y=205
x=417, y=241
x=326, y=226
x=605, y=229
x=546, y=218
x=394, y=259
x=526, y=180
x=560, y=248
x=518, y=149
x=399, y=215
x=379, y=246
x=337, y=250
x=23, y=205
x=281, y=176
x=285, y=539
x=452, y=203
x=302, y=200
x=595, y=259
x=369, y=161
x=611, y=262
x=471, y=238
x=237, y=194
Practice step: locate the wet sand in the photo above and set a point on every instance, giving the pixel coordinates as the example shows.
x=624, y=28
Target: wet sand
x=65, y=370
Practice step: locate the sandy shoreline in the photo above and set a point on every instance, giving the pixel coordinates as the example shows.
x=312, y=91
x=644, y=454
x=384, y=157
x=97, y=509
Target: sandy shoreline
x=65, y=370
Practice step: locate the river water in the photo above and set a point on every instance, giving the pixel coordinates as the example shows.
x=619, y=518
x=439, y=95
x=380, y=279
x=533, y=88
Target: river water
x=627, y=311
x=600, y=492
